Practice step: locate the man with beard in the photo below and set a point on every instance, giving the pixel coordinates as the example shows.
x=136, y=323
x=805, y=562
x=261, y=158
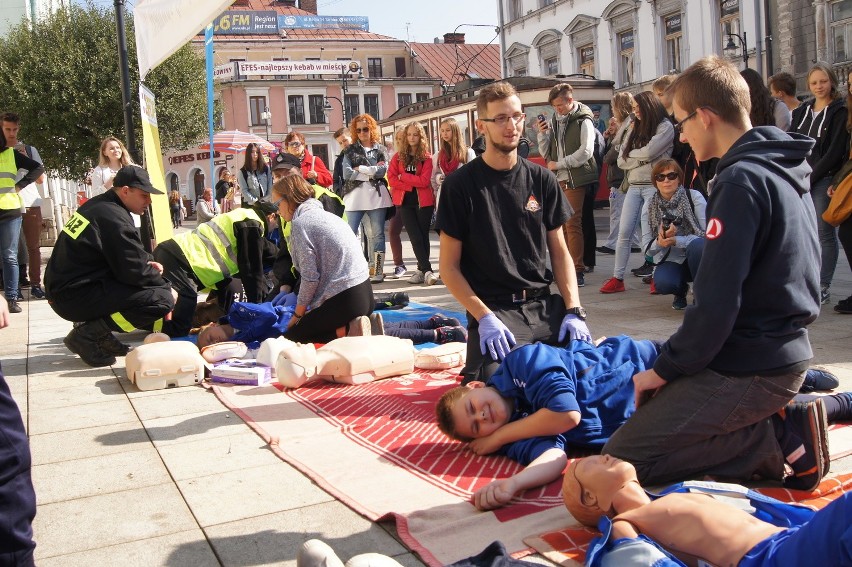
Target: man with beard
x=498, y=217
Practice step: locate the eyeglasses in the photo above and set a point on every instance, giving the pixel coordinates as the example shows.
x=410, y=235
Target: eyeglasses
x=295, y=144
x=362, y=130
x=278, y=202
x=679, y=126
x=671, y=176
x=503, y=119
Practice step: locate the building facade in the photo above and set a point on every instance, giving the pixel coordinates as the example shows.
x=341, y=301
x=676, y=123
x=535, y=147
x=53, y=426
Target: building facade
x=13, y=12
x=312, y=74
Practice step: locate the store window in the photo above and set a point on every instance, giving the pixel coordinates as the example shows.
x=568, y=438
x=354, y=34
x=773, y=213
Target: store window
x=841, y=30
x=586, y=57
x=674, y=34
x=625, y=58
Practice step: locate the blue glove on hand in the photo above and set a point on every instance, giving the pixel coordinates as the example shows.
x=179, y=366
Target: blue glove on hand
x=495, y=337
x=284, y=299
x=575, y=328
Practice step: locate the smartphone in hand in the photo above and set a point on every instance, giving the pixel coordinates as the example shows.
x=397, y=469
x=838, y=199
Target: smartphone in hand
x=542, y=122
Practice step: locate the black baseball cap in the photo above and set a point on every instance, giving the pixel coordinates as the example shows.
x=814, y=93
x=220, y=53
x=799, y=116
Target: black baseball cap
x=285, y=160
x=135, y=177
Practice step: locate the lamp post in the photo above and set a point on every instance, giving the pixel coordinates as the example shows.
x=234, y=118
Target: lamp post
x=326, y=107
x=266, y=116
x=353, y=67
x=730, y=48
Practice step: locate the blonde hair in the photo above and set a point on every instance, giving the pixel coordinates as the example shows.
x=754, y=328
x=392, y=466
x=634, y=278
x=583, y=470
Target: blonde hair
x=622, y=105
x=829, y=72
x=713, y=82
x=420, y=153
x=455, y=148
x=125, y=157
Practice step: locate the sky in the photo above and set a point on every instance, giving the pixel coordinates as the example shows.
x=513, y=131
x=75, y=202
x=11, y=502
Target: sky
x=421, y=21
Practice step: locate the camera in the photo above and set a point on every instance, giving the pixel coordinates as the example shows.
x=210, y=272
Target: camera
x=669, y=220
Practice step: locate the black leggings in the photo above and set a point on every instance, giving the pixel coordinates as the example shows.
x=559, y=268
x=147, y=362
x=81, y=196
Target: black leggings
x=319, y=325
x=416, y=221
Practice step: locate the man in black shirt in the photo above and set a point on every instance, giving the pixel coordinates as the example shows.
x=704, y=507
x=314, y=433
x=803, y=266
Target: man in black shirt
x=498, y=218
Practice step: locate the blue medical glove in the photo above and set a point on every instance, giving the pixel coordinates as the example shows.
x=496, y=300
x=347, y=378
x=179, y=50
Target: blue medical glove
x=575, y=328
x=284, y=299
x=495, y=337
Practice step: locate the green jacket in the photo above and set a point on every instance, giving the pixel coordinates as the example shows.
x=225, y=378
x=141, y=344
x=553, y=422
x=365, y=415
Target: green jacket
x=588, y=172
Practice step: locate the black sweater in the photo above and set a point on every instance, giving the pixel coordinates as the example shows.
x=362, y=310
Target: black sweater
x=830, y=152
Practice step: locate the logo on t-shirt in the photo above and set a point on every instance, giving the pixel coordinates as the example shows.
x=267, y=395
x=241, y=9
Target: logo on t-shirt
x=532, y=205
x=714, y=229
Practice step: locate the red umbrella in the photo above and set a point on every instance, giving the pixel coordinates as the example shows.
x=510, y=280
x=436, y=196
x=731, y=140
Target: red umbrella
x=235, y=142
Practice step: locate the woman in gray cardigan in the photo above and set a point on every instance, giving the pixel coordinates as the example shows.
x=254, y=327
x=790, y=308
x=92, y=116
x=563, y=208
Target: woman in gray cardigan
x=335, y=295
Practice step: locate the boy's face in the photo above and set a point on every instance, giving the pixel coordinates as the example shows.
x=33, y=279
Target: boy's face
x=212, y=335
x=691, y=130
x=480, y=412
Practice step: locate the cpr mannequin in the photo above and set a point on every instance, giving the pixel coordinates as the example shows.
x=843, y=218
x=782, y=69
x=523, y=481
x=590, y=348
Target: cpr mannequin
x=347, y=360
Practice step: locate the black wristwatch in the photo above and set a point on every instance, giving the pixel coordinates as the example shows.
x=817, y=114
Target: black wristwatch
x=579, y=312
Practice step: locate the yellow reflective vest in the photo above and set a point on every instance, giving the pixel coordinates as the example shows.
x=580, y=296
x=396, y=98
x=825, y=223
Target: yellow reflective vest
x=211, y=249
x=9, y=197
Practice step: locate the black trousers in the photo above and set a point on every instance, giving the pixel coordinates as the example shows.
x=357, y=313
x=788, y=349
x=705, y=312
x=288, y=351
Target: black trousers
x=416, y=221
x=178, y=273
x=124, y=307
x=320, y=325
x=535, y=321
x=17, y=496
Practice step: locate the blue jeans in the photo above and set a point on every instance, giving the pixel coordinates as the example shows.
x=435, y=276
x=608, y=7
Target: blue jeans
x=707, y=424
x=10, y=234
x=674, y=278
x=635, y=207
x=616, y=201
x=828, y=242
x=374, y=227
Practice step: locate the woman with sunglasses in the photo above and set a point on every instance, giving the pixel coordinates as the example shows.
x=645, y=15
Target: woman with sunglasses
x=649, y=141
x=255, y=177
x=365, y=190
x=313, y=168
x=677, y=216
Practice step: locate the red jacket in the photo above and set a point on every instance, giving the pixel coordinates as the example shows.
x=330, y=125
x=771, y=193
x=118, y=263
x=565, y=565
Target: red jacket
x=400, y=181
x=323, y=174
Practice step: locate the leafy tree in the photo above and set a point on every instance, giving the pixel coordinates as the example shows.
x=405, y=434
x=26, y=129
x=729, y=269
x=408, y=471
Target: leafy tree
x=62, y=76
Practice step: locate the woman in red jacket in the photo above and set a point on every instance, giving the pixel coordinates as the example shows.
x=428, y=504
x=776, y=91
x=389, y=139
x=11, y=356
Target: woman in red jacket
x=410, y=177
x=313, y=168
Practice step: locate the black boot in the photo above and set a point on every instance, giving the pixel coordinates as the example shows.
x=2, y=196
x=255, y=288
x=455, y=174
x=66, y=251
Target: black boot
x=84, y=340
x=111, y=345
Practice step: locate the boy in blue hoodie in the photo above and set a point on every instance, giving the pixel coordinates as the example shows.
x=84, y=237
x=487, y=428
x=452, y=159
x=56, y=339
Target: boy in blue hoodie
x=743, y=349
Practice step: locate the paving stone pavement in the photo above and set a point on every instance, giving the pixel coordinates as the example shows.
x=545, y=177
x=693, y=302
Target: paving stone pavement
x=172, y=477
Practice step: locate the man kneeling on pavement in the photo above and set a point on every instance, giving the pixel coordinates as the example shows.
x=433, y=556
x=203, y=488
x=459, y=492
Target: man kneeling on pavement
x=100, y=276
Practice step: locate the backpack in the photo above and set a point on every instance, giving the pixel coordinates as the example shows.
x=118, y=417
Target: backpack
x=600, y=145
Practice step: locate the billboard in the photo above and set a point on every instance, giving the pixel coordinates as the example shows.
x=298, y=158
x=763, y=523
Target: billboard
x=246, y=21
x=361, y=23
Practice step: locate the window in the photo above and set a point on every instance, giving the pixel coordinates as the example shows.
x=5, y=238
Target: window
x=257, y=105
x=403, y=99
x=586, y=57
x=237, y=75
x=296, y=105
x=281, y=77
x=352, y=107
x=374, y=67
x=551, y=66
x=545, y=3
x=371, y=105
x=399, y=63
x=516, y=9
x=674, y=35
x=421, y=97
x=520, y=72
x=841, y=29
x=315, y=108
x=625, y=58
x=321, y=151
x=730, y=23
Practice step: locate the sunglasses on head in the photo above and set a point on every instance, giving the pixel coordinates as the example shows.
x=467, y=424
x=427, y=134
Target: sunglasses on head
x=671, y=176
x=362, y=130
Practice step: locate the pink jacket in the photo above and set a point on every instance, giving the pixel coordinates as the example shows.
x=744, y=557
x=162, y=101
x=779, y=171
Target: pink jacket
x=400, y=181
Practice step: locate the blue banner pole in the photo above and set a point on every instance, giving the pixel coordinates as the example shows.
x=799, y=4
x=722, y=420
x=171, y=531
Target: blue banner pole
x=208, y=54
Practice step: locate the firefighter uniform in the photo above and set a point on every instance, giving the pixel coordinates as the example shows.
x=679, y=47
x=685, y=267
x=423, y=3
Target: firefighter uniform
x=99, y=272
x=229, y=245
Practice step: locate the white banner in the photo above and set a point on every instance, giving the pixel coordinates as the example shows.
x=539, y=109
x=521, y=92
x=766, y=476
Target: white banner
x=256, y=68
x=164, y=26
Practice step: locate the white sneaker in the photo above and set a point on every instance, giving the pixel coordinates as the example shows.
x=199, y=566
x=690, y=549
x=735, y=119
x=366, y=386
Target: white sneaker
x=378, y=278
x=416, y=278
x=429, y=278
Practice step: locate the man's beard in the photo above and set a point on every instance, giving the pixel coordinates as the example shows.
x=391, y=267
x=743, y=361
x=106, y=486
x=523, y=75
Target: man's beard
x=505, y=149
